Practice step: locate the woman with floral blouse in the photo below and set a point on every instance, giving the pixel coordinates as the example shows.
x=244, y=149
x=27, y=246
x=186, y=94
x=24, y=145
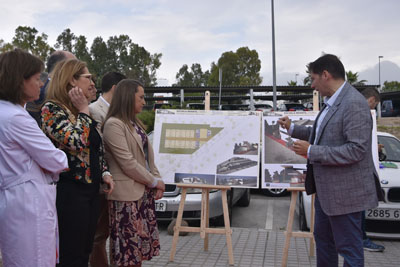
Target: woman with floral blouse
x=66, y=121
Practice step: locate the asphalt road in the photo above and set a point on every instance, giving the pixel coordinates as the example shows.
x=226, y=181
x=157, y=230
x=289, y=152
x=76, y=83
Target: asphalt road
x=264, y=212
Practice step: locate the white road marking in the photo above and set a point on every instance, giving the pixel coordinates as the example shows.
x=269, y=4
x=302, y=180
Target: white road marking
x=270, y=215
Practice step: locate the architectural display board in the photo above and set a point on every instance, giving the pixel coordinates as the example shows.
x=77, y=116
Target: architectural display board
x=208, y=147
x=282, y=168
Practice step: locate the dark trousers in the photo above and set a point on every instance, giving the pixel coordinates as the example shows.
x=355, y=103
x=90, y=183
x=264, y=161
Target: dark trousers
x=77, y=209
x=338, y=235
x=99, y=257
x=364, y=233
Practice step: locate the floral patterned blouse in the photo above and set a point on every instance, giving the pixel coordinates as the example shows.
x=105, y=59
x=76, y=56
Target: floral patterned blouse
x=71, y=134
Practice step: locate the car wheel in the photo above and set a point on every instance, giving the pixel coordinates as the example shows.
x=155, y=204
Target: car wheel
x=219, y=220
x=244, y=201
x=275, y=192
x=302, y=215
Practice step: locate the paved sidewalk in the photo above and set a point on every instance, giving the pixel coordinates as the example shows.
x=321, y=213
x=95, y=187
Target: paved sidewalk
x=254, y=247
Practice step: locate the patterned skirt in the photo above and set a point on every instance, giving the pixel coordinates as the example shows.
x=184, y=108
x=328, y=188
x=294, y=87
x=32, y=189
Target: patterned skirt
x=134, y=234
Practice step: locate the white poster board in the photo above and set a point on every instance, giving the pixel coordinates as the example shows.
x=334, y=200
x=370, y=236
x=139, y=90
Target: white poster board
x=281, y=167
x=208, y=147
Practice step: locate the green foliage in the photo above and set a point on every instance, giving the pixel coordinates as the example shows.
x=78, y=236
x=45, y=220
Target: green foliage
x=307, y=79
x=28, y=39
x=118, y=53
x=352, y=78
x=238, y=68
x=192, y=77
x=65, y=40
x=147, y=117
x=391, y=86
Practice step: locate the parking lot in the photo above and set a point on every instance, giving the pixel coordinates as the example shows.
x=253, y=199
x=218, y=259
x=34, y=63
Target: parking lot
x=258, y=239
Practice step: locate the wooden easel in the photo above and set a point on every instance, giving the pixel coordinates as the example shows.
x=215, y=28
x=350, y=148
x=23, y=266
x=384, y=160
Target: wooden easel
x=204, y=229
x=289, y=233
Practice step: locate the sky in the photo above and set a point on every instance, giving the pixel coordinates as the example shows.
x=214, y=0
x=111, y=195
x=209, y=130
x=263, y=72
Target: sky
x=187, y=31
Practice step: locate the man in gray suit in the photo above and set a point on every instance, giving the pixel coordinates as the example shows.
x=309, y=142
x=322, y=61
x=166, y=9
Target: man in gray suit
x=340, y=167
x=98, y=110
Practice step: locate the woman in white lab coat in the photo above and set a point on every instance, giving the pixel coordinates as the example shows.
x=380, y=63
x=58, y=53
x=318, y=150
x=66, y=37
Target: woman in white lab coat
x=29, y=168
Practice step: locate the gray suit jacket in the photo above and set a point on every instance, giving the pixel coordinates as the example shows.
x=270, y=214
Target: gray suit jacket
x=98, y=110
x=343, y=168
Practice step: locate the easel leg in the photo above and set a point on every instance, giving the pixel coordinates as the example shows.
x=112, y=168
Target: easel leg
x=203, y=213
x=312, y=241
x=289, y=227
x=207, y=218
x=178, y=225
x=227, y=227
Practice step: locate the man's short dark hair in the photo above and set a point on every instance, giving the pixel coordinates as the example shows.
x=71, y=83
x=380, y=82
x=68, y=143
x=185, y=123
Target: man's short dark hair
x=54, y=59
x=330, y=63
x=371, y=92
x=109, y=79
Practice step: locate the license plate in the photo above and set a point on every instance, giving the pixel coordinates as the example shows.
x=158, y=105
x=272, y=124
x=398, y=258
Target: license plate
x=161, y=205
x=383, y=214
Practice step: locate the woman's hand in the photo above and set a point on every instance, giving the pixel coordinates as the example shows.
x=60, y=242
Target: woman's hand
x=79, y=100
x=160, y=185
x=107, y=179
x=159, y=194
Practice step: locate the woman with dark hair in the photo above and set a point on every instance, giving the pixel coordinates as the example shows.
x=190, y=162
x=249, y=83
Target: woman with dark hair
x=67, y=122
x=29, y=168
x=134, y=235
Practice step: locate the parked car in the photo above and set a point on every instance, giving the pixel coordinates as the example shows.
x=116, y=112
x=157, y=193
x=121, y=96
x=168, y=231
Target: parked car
x=263, y=107
x=291, y=107
x=383, y=221
x=390, y=108
x=167, y=207
x=275, y=192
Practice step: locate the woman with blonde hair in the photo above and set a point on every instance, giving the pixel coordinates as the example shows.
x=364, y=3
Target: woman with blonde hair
x=134, y=235
x=66, y=121
x=29, y=168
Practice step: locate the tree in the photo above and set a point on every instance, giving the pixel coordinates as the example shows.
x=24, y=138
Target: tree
x=292, y=83
x=65, y=40
x=307, y=79
x=81, y=51
x=238, y=68
x=352, y=78
x=391, y=86
x=100, y=59
x=192, y=77
x=5, y=47
x=27, y=38
x=122, y=55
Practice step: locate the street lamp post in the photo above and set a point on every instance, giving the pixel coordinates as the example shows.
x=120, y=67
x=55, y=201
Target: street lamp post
x=295, y=77
x=273, y=57
x=380, y=86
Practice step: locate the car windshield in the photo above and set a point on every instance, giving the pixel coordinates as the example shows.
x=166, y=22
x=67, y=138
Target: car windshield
x=391, y=147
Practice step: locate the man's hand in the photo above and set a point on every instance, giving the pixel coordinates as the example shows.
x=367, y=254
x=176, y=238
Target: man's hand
x=300, y=147
x=285, y=122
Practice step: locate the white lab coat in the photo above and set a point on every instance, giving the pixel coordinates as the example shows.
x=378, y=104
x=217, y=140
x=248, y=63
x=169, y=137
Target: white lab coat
x=28, y=216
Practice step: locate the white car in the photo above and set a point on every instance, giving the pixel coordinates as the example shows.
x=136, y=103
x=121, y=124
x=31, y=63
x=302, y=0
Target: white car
x=383, y=221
